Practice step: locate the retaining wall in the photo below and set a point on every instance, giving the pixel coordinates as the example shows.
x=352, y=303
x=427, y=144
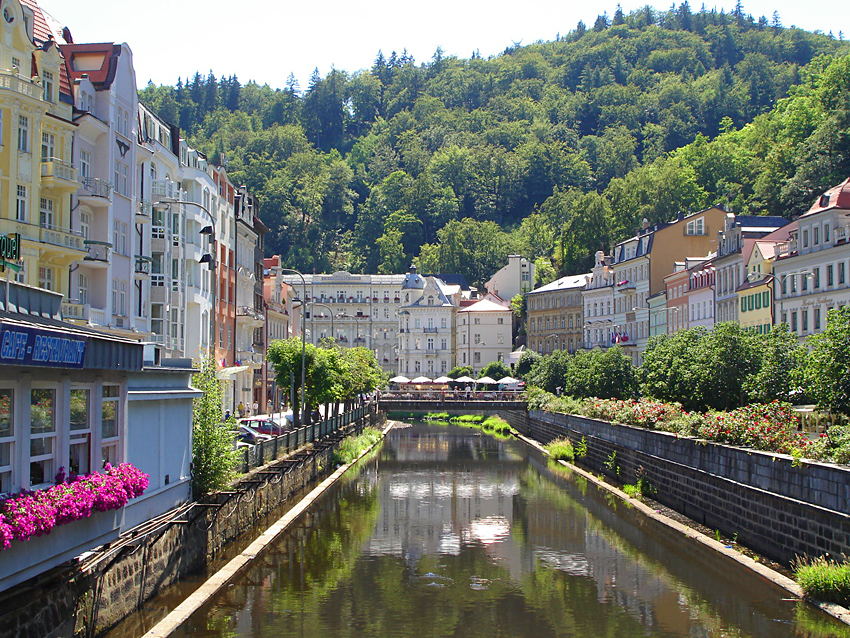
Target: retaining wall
x=84, y=599
x=780, y=510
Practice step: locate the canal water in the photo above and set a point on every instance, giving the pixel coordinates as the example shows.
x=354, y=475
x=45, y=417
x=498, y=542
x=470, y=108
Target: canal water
x=446, y=531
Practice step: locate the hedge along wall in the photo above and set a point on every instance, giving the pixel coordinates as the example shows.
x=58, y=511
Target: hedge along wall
x=777, y=509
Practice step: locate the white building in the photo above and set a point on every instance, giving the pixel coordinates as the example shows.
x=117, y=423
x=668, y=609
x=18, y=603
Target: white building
x=517, y=278
x=354, y=310
x=110, y=287
x=426, y=326
x=484, y=330
x=811, y=270
x=598, y=303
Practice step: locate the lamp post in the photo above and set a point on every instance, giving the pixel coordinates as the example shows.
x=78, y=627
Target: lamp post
x=303, y=339
x=207, y=258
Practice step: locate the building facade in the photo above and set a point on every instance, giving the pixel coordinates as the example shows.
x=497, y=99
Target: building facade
x=517, y=278
x=484, y=330
x=555, y=314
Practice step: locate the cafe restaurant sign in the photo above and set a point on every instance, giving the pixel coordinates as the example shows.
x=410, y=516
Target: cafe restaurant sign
x=10, y=251
x=26, y=346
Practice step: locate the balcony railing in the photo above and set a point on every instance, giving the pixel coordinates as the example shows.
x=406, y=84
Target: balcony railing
x=164, y=188
x=143, y=265
x=59, y=169
x=248, y=311
x=786, y=249
x=73, y=310
x=143, y=211
x=98, y=251
x=840, y=235
x=429, y=330
x=96, y=187
x=12, y=81
x=65, y=237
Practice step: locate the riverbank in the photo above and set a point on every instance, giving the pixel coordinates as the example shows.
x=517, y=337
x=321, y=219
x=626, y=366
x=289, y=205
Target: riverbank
x=650, y=465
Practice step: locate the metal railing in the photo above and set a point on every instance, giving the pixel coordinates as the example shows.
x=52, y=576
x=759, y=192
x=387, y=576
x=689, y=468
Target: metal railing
x=253, y=456
x=97, y=187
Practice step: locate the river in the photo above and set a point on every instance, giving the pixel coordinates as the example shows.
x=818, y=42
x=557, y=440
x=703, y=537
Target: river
x=445, y=531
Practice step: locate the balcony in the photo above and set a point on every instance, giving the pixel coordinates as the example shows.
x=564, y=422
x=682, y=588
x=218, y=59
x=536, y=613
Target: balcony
x=840, y=235
x=95, y=192
x=143, y=212
x=164, y=188
x=786, y=249
x=10, y=80
x=75, y=311
x=142, y=266
x=250, y=316
x=430, y=330
x=359, y=339
x=63, y=238
x=98, y=256
x=59, y=175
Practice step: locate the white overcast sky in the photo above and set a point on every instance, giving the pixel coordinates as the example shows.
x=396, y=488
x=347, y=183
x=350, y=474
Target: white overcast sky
x=266, y=40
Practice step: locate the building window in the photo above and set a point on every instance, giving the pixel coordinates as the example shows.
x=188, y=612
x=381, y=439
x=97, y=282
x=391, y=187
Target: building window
x=443, y=322
x=817, y=279
x=45, y=218
x=442, y=344
x=816, y=235
x=7, y=439
x=500, y=338
x=804, y=320
x=82, y=288
x=841, y=272
x=23, y=134
x=500, y=321
x=805, y=238
x=817, y=319
x=696, y=227
x=45, y=278
x=21, y=204
x=42, y=435
x=826, y=233
x=79, y=458
x=476, y=339
x=48, y=147
x=476, y=357
x=85, y=164
x=829, y=275
x=109, y=424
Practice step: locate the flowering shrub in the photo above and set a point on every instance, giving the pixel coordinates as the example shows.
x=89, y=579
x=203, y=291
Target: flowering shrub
x=37, y=513
x=770, y=427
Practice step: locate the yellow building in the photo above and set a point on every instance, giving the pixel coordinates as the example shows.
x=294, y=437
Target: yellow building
x=755, y=295
x=37, y=176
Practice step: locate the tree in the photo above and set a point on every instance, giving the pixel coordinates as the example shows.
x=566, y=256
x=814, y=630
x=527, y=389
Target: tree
x=605, y=374
x=827, y=371
x=496, y=370
x=213, y=454
x=527, y=360
x=460, y=371
x=781, y=366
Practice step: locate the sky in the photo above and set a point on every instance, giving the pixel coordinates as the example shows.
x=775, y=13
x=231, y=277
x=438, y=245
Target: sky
x=266, y=40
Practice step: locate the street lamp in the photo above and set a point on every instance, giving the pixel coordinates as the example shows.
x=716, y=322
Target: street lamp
x=303, y=339
x=207, y=258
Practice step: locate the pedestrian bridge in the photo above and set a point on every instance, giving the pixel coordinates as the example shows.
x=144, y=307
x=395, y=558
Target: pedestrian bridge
x=450, y=404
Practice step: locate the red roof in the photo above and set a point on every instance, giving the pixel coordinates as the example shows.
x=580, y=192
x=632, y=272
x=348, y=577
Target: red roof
x=835, y=197
x=42, y=32
x=101, y=77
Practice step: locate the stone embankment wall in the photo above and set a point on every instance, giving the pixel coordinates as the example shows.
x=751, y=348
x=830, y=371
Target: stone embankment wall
x=778, y=509
x=93, y=595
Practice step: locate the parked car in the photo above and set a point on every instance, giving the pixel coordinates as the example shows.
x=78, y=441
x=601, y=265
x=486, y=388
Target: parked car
x=267, y=425
x=248, y=435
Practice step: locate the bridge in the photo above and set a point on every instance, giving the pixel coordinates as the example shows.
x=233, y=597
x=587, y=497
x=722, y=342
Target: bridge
x=451, y=404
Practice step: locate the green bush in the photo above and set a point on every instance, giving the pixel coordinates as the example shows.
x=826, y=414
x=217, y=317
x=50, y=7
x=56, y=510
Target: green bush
x=351, y=447
x=824, y=579
x=561, y=450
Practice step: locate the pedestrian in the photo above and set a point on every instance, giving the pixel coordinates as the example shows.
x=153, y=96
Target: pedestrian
x=240, y=409
x=256, y=408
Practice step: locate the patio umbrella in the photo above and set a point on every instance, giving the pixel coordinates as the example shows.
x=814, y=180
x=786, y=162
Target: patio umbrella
x=421, y=380
x=508, y=380
x=487, y=381
x=443, y=380
x=464, y=379
x=400, y=379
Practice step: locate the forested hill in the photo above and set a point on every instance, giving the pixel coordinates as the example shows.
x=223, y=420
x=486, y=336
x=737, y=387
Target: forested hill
x=553, y=150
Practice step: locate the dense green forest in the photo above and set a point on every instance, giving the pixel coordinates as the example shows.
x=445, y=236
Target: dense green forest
x=554, y=150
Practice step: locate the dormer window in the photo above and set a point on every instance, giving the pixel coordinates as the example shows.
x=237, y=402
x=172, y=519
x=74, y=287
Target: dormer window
x=47, y=83
x=824, y=200
x=430, y=300
x=696, y=227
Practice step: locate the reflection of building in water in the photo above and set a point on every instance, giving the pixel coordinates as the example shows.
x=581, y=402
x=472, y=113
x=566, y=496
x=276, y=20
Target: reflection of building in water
x=571, y=540
x=442, y=492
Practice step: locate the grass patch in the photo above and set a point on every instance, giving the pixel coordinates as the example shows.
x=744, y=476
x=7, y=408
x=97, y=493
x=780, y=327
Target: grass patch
x=824, y=579
x=350, y=448
x=468, y=418
x=496, y=424
x=561, y=450
x=436, y=416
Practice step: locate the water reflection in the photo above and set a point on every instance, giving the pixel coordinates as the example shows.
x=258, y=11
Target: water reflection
x=449, y=532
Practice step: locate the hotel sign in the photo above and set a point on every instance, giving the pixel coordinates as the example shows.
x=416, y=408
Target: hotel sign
x=10, y=250
x=24, y=346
